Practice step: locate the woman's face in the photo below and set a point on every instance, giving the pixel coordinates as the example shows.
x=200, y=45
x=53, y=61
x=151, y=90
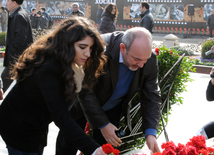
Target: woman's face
x=83, y=50
x=113, y=10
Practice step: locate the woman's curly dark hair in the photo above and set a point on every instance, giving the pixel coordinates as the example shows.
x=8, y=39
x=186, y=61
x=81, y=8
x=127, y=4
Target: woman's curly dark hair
x=109, y=9
x=59, y=44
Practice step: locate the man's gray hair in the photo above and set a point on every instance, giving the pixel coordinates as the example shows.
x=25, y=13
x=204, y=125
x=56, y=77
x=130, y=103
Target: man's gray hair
x=75, y=4
x=132, y=34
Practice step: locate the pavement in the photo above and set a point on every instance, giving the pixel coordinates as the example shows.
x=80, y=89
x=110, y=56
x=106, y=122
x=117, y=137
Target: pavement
x=185, y=120
x=194, y=39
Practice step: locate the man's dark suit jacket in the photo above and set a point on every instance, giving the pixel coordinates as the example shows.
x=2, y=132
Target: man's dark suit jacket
x=19, y=36
x=147, y=21
x=145, y=82
x=34, y=103
x=210, y=92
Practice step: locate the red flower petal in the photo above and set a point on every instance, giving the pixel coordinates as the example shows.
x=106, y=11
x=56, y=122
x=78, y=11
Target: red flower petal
x=107, y=148
x=116, y=152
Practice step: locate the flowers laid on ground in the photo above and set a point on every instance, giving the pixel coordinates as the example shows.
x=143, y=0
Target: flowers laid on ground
x=2, y=48
x=166, y=59
x=38, y=34
x=196, y=146
x=207, y=62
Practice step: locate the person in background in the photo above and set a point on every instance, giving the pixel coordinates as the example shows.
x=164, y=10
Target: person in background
x=49, y=77
x=42, y=21
x=19, y=37
x=108, y=20
x=3, y=19
x=99, y=13
x=131, y=68
x=76, y=11
x=48, y=17
x=147, y=20
x=44, y=13
x=210, y=23
x=34, y=19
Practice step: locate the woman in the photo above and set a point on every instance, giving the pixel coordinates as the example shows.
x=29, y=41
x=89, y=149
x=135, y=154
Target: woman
x=108, y=19
x=47, y=75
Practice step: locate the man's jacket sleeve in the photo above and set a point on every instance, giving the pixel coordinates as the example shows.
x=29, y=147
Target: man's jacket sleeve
x=150, y=96
x=92, y=109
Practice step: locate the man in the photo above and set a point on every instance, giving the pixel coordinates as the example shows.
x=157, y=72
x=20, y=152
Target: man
x=76, y=11
x=3, y=18
x=42, y=21
x=48, y=17
x=34, y=19
x=147, y=20
x=99, y=13
x=131, y=68
x=19, y=37
x=210, y=23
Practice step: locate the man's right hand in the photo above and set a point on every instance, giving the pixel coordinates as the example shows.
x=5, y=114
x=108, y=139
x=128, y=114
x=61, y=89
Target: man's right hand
x=108, y=133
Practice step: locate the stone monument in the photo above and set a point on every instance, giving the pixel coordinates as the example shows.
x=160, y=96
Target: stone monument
x=170, y=40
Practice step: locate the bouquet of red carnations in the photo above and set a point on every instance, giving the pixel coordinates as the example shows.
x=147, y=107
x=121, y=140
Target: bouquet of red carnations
x=196, y=146
x=108, y=149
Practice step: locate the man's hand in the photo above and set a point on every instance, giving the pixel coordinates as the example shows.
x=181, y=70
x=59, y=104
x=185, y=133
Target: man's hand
x=1, y=94
x=152, y=143
x=100, y=151
x=108, y=133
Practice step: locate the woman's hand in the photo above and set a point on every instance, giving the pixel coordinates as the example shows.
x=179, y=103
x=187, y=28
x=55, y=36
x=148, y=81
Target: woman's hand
x=100, y=151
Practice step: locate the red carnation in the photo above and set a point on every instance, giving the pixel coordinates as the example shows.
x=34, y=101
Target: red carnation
x=210, y=150
x=198, y=141
x=157, y=51
x=183, y=152
x=116, y=152
x=191, y=150
x=203, y=151
x=169, y=152
x=107, y=148
x=87, y=128
x=169, y=145
x=181, y=149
